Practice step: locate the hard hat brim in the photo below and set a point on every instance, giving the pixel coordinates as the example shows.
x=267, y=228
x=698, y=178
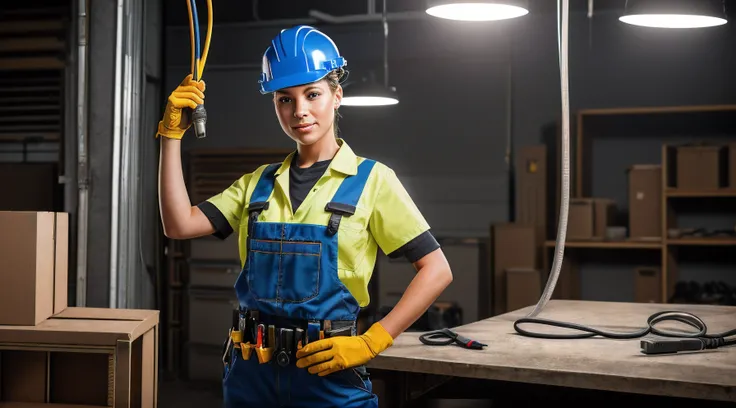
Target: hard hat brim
x=299, y=79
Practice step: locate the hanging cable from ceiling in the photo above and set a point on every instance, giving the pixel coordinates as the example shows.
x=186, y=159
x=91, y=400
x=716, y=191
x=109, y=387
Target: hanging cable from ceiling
x=590, y=24
x=385, y=46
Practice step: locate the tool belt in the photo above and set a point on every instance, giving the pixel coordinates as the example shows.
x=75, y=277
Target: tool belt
x=277, y=338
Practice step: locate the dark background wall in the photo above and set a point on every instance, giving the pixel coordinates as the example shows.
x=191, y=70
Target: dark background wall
x=470, y=92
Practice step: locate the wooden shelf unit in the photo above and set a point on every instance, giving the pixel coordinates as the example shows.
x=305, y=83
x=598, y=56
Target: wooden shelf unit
x=579, y=184
x=723, y=192
x=669, y=195
x=626, y=244
x=580, y=188
x=702, y=241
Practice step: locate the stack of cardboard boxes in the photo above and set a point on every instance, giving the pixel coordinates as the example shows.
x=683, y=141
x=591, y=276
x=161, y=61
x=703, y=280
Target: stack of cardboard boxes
x=52, y=355
x=517, y=249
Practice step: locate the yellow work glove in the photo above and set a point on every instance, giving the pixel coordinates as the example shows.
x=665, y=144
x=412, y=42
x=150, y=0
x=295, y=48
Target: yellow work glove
x=176, y=120
x=327, y=356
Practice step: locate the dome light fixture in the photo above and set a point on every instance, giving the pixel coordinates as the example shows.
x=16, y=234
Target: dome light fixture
x=675, y=13
x=369, y=93
x=477, y=10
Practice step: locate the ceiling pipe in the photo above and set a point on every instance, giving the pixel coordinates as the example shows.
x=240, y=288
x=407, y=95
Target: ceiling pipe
x=316, y=17
x=367, y=18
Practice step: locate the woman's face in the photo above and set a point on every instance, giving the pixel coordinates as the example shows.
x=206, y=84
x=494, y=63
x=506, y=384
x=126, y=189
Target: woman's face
x=307, y=112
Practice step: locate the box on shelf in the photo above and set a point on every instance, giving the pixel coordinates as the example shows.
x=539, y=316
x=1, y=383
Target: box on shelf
x=648, y=284
x=701, y=167
x=523, y=288
x=34, y=249
x=82, y=357
x=645, y=201
x=588, y=218
x=513, y=246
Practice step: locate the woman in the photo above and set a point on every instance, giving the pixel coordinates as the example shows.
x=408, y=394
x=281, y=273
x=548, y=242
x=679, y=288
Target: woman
x=309, y=230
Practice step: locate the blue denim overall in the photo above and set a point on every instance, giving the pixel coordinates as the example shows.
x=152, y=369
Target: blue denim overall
x=291, y=271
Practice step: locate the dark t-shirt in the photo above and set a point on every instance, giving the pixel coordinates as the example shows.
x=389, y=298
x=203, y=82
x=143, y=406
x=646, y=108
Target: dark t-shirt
x=301, y=180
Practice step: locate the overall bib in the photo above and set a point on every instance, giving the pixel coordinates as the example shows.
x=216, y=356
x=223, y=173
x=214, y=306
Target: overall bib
x=291, y=272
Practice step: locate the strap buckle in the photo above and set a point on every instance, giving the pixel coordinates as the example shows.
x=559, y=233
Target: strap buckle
x=258, y=206
x=338, y=210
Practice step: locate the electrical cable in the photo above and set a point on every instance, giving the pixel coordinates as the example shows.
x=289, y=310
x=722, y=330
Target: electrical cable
x=445, y=337
x=197, y=49
x=385, y=45
x=199, y=114
x=565, y=199
x=699, y=340
x=193, y=46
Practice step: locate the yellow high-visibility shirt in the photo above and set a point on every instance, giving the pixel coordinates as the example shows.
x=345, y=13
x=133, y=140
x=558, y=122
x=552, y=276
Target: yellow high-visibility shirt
x=385, y=215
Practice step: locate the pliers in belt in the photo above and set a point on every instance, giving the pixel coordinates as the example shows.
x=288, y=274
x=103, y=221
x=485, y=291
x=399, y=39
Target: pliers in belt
x=448, y=337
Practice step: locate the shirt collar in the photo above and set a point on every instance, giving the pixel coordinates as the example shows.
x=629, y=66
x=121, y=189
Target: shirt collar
x=345, y=161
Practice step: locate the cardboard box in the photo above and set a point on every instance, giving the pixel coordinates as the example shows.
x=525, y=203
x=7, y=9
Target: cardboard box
x=523, y=288
x=34, y=249
x=514, y=246
x=648, y=284
x=701, y=167
x=588, y=218
x=82, y=357
x=568, y=282
x=531, y=186
x=645, y=201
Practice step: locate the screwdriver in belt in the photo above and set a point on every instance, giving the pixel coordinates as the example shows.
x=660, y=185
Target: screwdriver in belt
x=259, y=336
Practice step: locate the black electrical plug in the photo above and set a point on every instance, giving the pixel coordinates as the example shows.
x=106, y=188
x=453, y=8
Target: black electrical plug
x=675, y=346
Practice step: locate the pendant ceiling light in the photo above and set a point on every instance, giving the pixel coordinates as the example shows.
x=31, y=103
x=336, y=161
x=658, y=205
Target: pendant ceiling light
x=675, y=13
x=477, y=10
x=370, y=92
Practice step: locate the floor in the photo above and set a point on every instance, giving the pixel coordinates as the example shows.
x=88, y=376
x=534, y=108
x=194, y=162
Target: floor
x=184, y=394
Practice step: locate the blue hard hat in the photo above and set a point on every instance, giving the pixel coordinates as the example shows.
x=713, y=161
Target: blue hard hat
x=298, y=56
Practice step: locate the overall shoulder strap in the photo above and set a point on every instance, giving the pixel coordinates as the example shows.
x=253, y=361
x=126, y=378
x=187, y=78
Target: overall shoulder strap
x=264, y=187
x=346, y=198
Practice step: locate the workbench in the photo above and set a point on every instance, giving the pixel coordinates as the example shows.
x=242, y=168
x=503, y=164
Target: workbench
x=410, y=370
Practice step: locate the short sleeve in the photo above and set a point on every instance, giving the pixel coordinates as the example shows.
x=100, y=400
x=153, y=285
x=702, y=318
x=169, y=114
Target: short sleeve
x=395, y=219
x=230, y=202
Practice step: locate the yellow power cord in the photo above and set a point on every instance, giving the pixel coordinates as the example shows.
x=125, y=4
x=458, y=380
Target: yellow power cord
x=199, y=116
